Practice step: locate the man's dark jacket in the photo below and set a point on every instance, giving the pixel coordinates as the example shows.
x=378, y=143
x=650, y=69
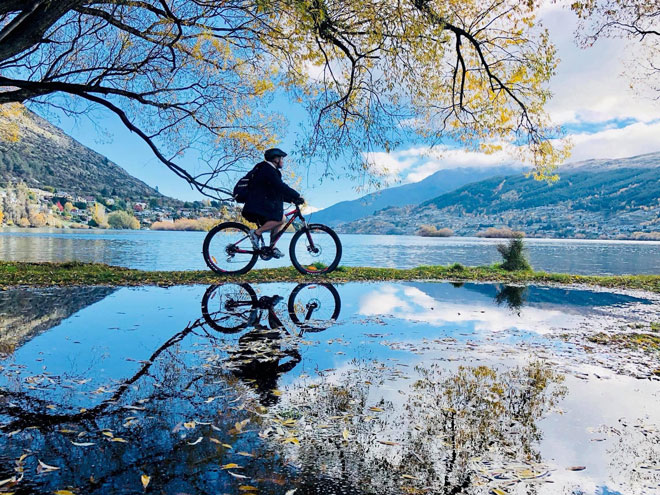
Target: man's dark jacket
x=268, y=192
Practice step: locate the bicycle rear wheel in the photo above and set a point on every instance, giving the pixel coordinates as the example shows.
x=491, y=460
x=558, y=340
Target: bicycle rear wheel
x=228, y=250
x=315, y=250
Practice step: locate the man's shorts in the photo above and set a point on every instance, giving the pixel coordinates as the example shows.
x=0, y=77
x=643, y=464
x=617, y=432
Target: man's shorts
x=255, y=218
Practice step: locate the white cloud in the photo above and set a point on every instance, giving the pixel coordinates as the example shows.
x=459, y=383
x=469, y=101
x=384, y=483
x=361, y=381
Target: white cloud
x=308, y=209
x=592, y=84
x=635, y=139
x=415, y=164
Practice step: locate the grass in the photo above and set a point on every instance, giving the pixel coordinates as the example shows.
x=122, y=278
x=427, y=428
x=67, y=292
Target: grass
x=74, y=273
x=644, y=341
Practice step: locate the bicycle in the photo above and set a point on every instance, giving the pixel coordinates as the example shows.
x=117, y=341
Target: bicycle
x=232, y=307
x=315, y=249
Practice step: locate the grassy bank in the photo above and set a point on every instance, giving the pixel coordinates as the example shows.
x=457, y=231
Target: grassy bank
x=56, y=274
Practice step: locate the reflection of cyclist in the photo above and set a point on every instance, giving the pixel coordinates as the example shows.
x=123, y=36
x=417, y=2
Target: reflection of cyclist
x=267, y=192
x=259, y=357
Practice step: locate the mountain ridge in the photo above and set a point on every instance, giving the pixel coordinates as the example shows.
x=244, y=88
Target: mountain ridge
x=42, y=156
x=617, y=197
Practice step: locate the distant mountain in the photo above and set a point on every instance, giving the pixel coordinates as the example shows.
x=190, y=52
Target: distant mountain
x=45, y=156
x=591, y=199
x=26, y=313
x=407, y=194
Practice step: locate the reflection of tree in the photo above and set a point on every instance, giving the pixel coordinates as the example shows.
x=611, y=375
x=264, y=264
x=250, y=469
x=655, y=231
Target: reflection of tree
x=447, y=421
x=25, y=313
x=635, y=456
x=513, y=296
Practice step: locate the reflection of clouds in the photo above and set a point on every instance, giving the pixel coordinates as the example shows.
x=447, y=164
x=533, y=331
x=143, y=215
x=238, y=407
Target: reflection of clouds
x=412, y=304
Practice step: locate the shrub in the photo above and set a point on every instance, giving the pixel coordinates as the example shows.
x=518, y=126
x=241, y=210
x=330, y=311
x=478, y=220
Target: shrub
x=456, y=267
x=514, y=255
x=433, y=231
x=503, y=233
x=23, y=222
x=201, y=224
x=121, y=220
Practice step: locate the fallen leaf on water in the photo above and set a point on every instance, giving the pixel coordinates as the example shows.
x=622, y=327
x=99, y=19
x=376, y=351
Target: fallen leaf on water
x=408, y=477
x=231, y=465
x=190, y=425
x=576, y=468
x=46, y=467
x=12, y=433
x=386, y=442
x=291, y=492
x=247, y=488
x=64, y=492
x=196, y=441
x=346, y=434
x=239, y=476
x=117, y=439
x=497, y=491
x=215, y=440
x=277, y=392
x=107, y=434
x=227, y=446
x=245, y=454
x=145, y=480
x=376, y=409
x=294, y=440
x=83, y=444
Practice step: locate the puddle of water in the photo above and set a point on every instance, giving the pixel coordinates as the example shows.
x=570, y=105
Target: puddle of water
x=356, y=388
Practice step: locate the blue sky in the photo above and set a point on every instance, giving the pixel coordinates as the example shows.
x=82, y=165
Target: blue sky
x=592, y=100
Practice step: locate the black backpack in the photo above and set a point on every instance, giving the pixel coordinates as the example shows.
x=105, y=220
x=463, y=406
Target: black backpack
x=242, y=187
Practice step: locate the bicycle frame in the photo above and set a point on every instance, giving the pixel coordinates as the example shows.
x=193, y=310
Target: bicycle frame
x=293, y=214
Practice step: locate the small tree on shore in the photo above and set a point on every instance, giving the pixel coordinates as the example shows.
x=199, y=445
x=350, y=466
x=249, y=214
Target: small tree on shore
x=514, y=255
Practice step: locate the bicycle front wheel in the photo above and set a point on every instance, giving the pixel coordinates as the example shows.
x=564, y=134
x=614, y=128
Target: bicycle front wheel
x=315, y=250
x=228, y=250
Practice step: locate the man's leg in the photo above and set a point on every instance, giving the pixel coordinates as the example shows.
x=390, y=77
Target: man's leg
x=273, y=226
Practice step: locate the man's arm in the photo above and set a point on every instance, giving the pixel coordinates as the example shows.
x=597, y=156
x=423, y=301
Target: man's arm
x=285, y=192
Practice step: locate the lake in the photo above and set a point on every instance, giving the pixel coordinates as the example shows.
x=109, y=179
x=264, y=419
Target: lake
x=314, y=389
x=158, y=250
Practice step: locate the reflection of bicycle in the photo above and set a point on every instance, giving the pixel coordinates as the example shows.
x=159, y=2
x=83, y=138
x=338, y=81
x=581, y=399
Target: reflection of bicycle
x=315, y=249
x=231, y=307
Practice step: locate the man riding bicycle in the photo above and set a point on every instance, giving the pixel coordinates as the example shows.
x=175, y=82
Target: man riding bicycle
x=265, y=203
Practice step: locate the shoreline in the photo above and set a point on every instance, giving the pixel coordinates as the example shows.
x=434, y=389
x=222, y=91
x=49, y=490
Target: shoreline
x=64, y=229
x=20, y=274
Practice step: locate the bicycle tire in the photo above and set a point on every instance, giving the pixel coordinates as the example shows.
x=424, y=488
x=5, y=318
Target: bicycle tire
x=210, y=259
x=311, y=269
x=291, y=306
x=209, y=316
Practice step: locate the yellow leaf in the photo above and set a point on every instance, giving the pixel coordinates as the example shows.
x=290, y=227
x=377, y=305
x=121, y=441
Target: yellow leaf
x=63, y=492
x=231, y=465
x=386, y=442
x=215, y=440
x=293, y=440
x=346, y=434
x=190, y=425
x=117, y=439
x=227, y=446
x=247, y=488
x=277, y=392
x=145, y=480
x=376, y=409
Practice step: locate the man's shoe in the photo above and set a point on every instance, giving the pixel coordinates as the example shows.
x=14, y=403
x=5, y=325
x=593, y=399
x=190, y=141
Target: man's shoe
x=257, y=240
x=276, y=253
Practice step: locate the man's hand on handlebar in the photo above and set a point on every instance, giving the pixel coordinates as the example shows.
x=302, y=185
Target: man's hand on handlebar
x=299, y=201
